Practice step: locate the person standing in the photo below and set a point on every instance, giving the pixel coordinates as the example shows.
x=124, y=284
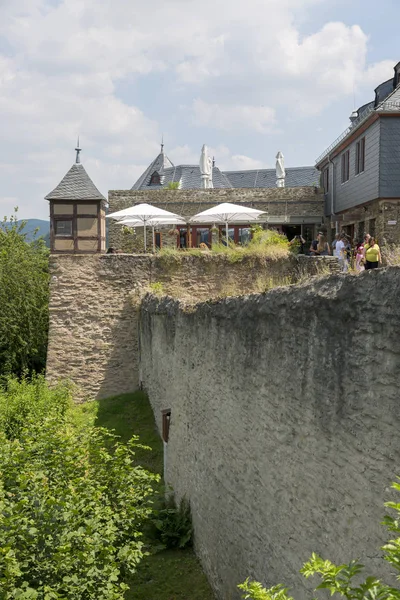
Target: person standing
x=323, y=246
x=340, y=253
x=314, y=246
x=372, y=254
x=335, y=241
x=359, y=257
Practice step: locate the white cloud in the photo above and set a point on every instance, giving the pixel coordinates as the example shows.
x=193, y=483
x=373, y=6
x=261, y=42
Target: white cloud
x=238, y=117
x=242, y=70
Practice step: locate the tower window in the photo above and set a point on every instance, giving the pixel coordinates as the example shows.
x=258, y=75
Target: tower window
x=63, y=227
x=155, y=179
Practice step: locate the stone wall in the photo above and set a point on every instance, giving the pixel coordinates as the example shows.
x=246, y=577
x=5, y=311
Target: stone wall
x=380, y=218
x=285, y=422
x=94, y=300
x=301, y=204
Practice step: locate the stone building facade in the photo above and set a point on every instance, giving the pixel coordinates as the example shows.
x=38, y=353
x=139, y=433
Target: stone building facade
x=289, y=210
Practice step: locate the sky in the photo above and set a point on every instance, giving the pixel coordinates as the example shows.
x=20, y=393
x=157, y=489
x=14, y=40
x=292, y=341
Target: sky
x=245, y=77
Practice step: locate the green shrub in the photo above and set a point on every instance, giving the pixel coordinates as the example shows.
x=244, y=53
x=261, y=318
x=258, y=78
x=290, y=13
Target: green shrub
x=72, y=501
x=174, y=524
x=268, y=237
x=157, y=288
x=27, y=401
x=339, y=579
x=24, y=300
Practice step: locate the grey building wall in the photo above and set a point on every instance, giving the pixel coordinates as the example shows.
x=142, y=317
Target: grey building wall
x=389, y=178
x=365, y=186
x=285, y=423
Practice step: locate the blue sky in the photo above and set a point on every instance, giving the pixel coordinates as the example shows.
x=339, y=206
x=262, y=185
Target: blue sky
x=246, y=78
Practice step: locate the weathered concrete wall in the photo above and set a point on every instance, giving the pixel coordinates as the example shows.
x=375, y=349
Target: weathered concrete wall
x=291, y=205
x=93, y=336
x=285, y=422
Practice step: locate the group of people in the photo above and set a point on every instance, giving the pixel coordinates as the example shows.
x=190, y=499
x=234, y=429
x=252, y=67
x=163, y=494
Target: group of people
x=366, y=254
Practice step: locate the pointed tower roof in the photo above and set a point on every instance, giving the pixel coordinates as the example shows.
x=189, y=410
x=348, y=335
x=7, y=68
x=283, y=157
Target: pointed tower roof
x=76, y=185
x=160, y=163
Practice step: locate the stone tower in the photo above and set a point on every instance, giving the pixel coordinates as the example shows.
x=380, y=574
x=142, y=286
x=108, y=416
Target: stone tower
x=77, y=213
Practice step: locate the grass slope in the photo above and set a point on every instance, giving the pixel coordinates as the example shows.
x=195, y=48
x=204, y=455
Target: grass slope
x=169, y=574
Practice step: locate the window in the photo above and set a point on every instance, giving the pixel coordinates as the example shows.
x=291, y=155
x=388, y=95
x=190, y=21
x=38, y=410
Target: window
x=360, y=156
x=63, y=227
x=325, y=180
x=372, y=227
x=155, y=179
x=244, y=235
x=345, y=166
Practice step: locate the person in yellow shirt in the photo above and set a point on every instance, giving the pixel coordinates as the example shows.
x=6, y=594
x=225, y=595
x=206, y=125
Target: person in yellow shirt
x=372, y=254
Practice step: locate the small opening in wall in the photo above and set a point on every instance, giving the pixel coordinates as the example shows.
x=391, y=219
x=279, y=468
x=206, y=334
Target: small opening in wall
x=166, y=421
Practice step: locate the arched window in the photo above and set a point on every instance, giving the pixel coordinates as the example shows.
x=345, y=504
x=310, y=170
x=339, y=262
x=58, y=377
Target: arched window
x=155, y=179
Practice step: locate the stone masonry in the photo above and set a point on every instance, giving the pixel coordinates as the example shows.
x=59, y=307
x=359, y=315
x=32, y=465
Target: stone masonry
x=93, y=336
x=285, y=420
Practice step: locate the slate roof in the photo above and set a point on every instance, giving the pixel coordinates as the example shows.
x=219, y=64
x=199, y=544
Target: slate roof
x=392, y=102
x=189, y=177
x=159, y=164
x=76, y=185
x=383, y=91
x=266, y=178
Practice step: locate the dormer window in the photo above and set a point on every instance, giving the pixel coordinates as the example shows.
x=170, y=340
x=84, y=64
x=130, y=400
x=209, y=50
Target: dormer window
x=155, y=179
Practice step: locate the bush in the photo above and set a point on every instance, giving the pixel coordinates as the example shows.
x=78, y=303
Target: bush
x=174, y=524
x=24, y=299
x=338, y=579
x=72, y=501
x=29, y=401
x=391, y=255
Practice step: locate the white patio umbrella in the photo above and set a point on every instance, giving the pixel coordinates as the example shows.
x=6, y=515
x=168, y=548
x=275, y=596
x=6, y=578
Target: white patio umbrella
x=227, y=213
x=153, y=223
x=280, y=170
x=144, y=213
x=205, y=168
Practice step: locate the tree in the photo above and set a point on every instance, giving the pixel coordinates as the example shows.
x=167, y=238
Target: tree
x=24, y=297
x=339, y=579
x=72, y=500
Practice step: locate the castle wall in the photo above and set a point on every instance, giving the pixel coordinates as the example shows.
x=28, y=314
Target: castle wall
x=285, y=423
x=93, y=335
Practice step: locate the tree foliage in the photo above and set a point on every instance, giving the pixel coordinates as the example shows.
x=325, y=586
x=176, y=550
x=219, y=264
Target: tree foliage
x=24, y=297
x=341, y=579
x=72, y=500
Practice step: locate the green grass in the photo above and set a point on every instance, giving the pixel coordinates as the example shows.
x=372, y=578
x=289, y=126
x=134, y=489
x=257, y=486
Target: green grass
x=169, y=574
x=131, y=414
